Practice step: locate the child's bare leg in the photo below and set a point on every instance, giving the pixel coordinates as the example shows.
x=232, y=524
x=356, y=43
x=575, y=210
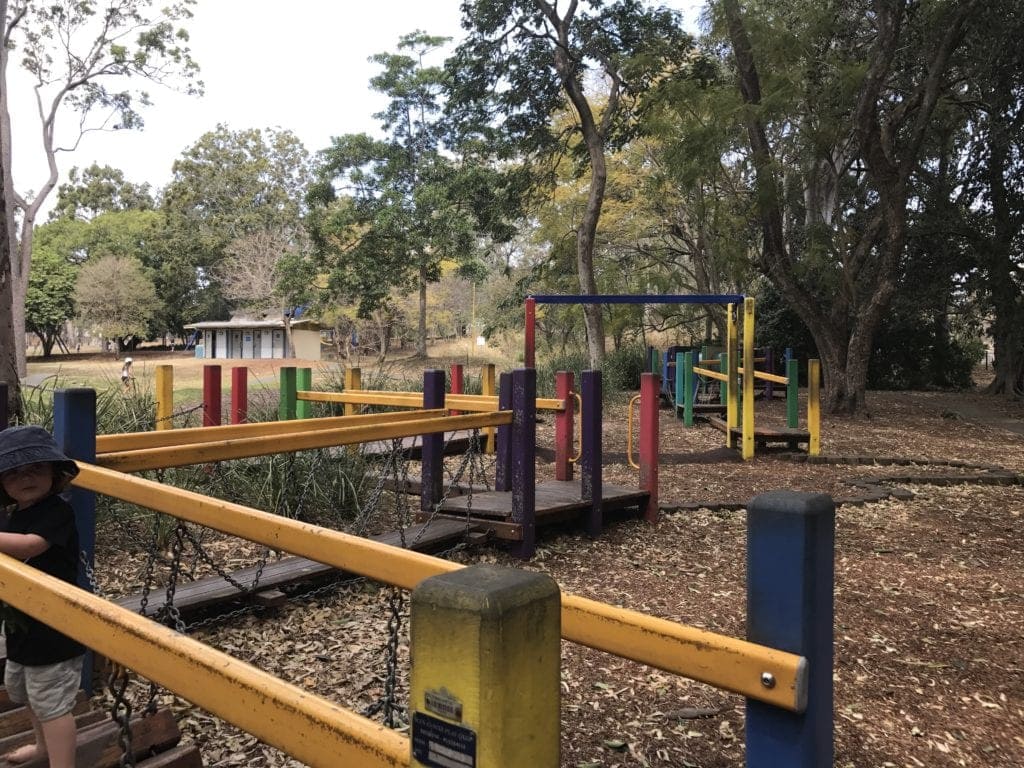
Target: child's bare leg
x=60, y=741
x=28, y=752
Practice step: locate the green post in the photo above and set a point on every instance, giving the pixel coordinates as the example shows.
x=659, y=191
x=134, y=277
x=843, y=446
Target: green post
x=792, y=388
x=303, y=383
x=687, y=379
x=286, y=405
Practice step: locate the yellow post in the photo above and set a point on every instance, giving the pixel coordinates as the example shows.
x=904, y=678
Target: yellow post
x=732, y=371
x=164, y=396
x=484, y=686
x=487, y=388
x=748, y=378
x=814, y=406
x=353, y=380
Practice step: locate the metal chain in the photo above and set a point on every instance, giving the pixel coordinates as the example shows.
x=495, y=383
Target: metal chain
x=170, y=610
x=121, y=712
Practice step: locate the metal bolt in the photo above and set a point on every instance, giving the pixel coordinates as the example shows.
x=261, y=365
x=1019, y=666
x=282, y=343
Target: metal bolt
x=768, y=680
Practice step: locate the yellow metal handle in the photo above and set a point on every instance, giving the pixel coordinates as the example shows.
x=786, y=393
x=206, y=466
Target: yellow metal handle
x=579, y=426
x=629, y=433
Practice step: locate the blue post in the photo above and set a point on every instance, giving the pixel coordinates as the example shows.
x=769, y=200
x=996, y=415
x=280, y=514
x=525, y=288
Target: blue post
x=503, y=439
x=590, y=450
x=523, y=461
x=790, y=551
x=74, y=429
x=769, y=366
x=432, y=457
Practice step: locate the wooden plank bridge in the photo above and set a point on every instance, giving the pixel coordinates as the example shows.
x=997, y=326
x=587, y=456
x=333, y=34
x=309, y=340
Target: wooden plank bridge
x=764, y=436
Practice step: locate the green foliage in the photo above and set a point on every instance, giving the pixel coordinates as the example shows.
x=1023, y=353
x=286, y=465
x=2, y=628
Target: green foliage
x=49, y=302
x=115, y=297
x=620, y=371
x=96, y=190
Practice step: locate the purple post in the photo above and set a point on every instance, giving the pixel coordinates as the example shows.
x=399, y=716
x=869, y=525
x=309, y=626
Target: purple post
x=502, y=470
x=524, y=442
x=590, y=457
x=433, y=445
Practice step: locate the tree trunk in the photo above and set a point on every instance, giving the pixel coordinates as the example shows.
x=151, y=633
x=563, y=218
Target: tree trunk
x=421, y=331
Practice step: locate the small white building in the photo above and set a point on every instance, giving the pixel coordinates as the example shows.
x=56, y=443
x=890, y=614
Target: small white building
x=248, y=339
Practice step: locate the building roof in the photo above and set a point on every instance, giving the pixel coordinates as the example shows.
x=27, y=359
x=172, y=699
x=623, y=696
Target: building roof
x=243, y=323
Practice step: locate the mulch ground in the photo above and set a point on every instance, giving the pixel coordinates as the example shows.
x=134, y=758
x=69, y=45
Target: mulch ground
x=929, y=660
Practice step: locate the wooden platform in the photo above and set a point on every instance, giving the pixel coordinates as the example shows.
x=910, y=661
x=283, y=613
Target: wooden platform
x=764, y=436
x=206, y=592
x=155, y=739
x=555, y=501
x=701, y=409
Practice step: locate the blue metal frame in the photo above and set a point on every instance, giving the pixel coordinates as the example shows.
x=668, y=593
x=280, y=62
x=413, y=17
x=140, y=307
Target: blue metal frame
x=619, y=298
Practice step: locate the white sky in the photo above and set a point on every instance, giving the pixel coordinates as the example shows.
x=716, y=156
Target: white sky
x=301, y=66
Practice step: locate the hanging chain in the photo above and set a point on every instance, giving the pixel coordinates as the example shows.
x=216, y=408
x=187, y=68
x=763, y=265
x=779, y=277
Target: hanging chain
x=121, y=712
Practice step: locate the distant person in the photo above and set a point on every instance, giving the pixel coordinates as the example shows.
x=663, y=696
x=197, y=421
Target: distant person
x=127, y=377
x=44, y=666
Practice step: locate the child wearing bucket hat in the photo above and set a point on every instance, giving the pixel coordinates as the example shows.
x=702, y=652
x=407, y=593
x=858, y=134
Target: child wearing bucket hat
x=44, y=667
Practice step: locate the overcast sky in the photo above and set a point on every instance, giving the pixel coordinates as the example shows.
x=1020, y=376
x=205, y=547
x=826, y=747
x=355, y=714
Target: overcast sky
x=301, y=66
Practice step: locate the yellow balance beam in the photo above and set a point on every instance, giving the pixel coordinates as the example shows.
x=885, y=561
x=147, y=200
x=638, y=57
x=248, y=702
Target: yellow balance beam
x=309, y=728
x=765, y=376
x=711, y=374
x=718, y=660
x=223, y=450
x=136, y=441
x=481, y=403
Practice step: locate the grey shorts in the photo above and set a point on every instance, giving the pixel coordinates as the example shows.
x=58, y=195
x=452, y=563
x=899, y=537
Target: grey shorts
x=50, y=690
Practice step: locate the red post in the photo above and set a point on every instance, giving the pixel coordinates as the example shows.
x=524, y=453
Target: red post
x=239, y=394
x=456, y=382
x=211, y=395
x=650, y=387
x=531, y=319
x=563, y=425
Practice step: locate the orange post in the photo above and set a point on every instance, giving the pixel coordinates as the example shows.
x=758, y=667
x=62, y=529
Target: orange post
x=650, y=392
x=457, y=383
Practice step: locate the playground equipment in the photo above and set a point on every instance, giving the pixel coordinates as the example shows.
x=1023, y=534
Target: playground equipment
x=789, y=689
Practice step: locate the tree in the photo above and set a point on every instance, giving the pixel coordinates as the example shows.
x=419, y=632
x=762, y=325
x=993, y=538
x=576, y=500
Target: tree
x=523, y=61
x=226, y=186
x=96, y=190
x=839, y=101
x=49, y=303
x=401, y=206
x=116, y=298
x=78, y=53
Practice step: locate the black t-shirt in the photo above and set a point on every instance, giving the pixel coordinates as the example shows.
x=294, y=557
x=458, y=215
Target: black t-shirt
x=29, y=641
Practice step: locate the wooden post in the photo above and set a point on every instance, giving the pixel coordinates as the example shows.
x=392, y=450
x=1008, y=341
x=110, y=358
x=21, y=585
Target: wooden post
x=563, y=425
x=650, y=390
x=487, y=388
x=792, y=393
x=502, y=467
x=748, y=378
x=732, y=414
x=286, y=404
x=211, y=396
x=523, y=461
x=239, y=394
x=353, y=380
x=814, y=406
x=685, y=363
x=164, y=397
x=484, y=689
x=303, y=383
x=790, y=577
x=432, y=463
x=529, y=355
x=457, y=383
x=74, y=429
x=591, y=476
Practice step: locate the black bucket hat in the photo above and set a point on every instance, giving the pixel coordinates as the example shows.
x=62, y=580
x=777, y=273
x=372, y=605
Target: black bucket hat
x=29, y=445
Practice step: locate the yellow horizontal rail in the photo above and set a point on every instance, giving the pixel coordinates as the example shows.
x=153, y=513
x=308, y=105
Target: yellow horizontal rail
x=482, y=403
x=223, y=450
x=311, y=729
x=711, y=374
x=764, y=376
x=718, y=660
x=135, y=441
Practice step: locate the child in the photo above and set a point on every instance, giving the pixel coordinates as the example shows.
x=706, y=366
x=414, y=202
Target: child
x=44, y=667
x=126, y=374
